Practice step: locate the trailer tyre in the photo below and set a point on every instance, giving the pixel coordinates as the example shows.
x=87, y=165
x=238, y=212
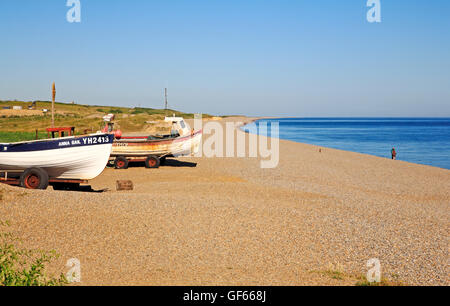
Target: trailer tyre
x=152, y=162
x=34, y=178
x=121, y=163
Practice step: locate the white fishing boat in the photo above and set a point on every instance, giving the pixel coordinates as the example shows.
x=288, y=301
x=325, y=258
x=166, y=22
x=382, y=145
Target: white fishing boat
x=153, y=149
x=181, y=142
x=75, y=157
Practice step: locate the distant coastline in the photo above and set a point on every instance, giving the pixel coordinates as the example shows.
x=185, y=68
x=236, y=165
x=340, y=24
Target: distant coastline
x=413, y=136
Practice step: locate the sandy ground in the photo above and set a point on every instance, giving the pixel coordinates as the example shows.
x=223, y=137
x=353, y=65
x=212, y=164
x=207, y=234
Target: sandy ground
x=226, y=221
x=20, y=113
x=25, y=113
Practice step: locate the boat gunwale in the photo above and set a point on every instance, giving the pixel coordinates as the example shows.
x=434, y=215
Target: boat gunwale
x=158, y=141
x=52, y=139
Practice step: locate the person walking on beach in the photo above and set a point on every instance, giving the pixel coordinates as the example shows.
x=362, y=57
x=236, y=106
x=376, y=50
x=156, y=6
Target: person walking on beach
x=394, y=154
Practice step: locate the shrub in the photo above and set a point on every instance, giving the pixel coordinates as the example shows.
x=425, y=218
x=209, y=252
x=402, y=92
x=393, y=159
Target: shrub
x=24, y=267
x=115, y=111
x=138, y=111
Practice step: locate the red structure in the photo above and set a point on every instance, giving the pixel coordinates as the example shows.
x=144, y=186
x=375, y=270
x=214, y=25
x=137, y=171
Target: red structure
x=61, y=132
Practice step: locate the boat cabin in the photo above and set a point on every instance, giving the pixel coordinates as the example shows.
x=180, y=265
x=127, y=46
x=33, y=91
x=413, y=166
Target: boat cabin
x=178, y=126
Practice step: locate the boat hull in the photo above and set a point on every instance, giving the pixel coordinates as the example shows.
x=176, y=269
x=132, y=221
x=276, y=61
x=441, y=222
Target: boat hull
x=81, y=158
x=140, y=146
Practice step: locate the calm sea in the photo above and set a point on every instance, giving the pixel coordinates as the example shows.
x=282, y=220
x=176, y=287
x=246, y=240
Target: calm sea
x=417, y=140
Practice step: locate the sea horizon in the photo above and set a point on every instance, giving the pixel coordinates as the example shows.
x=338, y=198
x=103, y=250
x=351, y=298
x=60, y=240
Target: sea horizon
x=419, y=140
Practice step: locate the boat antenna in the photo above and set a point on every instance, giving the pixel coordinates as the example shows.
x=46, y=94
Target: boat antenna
x=53, y=104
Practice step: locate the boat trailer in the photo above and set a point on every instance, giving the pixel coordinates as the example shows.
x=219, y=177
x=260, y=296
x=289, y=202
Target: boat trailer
x=151, y=161
x=37, y=178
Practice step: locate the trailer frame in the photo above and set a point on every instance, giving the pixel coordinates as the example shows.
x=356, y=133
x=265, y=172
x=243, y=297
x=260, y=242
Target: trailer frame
x=13, y=178
x=119, y=161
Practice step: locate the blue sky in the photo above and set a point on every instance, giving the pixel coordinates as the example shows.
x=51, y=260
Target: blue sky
x=254, y=57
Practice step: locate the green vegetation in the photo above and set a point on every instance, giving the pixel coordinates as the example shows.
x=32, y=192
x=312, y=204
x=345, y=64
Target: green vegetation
x=161, y=112
x=335, y=275
x=24, y=267
x=363, y=282
x=7, y=137
x=82, y=117
x=336, y=271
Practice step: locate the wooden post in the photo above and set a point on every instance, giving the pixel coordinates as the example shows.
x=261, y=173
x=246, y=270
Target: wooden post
x=37, y=134
x=53, y=104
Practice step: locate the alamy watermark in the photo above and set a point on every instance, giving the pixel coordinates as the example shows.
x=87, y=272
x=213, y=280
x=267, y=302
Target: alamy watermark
x=374, y=273
x=228, y=140
x=74, y=13
x=74, y=273
x=374, y=13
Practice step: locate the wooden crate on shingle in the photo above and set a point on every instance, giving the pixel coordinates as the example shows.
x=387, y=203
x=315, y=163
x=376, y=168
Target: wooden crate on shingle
x=124, y=185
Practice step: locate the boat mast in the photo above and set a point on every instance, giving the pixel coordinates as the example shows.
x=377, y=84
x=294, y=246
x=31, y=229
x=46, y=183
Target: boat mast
x=53, y=104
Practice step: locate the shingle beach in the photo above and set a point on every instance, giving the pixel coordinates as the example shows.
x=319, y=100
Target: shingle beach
x=316, y=219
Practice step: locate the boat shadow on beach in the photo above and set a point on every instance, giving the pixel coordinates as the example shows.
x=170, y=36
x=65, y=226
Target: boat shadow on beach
x=178, y=163
x=167, y=163
x=90, y=190
x=81, y=188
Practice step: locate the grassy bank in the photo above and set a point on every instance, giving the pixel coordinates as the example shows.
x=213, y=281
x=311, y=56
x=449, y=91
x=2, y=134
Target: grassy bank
x=6, y=137
x=20, y=125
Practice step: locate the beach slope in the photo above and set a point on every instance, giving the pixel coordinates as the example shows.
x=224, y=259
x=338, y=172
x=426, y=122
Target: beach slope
x=316, y=219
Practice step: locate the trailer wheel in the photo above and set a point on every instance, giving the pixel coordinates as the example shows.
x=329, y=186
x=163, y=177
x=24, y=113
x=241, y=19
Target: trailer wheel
x=152, y=162
x=34, y=178
x=121, y=163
